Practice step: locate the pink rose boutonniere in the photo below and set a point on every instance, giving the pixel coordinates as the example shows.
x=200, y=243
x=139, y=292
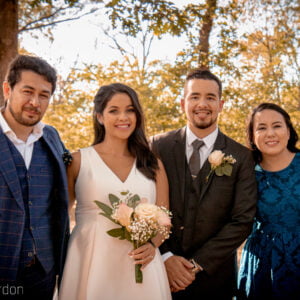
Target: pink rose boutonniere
x=138, y=221
x=220, y=164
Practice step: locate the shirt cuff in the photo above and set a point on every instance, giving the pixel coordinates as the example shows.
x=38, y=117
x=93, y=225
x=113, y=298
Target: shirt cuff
x=166, y=255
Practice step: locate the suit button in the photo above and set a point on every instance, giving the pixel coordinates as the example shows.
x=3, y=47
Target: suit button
x=31, y=228
x=30, y=254
x=30, y=202
x=181, y=227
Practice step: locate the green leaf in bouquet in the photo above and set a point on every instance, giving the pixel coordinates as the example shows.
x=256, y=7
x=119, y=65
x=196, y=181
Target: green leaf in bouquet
x=105, y=208
x=133, y=201
x=127, y=235
x=113, y=199
x=124, y=193
x=117, y=233
x=109, y=217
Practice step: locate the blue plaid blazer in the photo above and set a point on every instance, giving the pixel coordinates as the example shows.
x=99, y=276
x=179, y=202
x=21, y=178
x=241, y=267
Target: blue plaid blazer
x=12, y=212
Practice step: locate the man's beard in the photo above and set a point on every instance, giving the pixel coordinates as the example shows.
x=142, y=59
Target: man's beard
x=19, y=119
x=205, y=125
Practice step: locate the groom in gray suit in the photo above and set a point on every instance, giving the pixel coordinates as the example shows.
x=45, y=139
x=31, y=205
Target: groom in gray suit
x=213, y=209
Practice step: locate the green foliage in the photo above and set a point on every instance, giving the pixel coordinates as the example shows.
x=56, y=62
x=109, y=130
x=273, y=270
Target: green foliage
x=120, y=233
x=163, y=16
x=113, y=199
x=133, y=201
x=106, y=209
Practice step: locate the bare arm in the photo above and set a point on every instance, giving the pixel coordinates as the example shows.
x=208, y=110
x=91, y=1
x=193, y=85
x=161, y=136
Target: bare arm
x=72, y=172
x=162, y=196
x=162, y=187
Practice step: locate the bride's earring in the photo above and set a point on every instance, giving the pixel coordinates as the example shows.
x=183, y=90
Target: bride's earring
x=99, y=121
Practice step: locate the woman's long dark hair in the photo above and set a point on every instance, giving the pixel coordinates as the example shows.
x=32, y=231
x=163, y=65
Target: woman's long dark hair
x=138, y=146
x=293, y=134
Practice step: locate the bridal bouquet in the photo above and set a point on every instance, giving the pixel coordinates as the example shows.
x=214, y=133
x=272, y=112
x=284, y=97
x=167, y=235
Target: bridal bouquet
x=140, y=221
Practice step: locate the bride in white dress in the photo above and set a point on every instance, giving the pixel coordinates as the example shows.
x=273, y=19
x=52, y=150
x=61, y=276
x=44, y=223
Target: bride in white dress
x=99, y=266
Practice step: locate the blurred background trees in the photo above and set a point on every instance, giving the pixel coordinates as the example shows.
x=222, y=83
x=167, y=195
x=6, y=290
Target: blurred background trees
x=252, y=45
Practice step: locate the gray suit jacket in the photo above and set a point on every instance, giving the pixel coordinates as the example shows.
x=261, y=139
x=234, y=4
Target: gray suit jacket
x=213, y=228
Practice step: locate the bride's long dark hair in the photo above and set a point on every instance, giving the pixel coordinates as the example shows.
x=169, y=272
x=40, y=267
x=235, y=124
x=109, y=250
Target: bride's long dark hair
x=138, y=146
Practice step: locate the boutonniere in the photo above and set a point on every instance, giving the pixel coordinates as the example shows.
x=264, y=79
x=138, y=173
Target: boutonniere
x=220, y=164
x=67, y=157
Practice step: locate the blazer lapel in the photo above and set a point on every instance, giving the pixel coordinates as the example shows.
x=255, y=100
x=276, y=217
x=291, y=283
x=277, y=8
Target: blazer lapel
x=180, y=158
x=9, y=172
x=219, y=145
x=54, y=147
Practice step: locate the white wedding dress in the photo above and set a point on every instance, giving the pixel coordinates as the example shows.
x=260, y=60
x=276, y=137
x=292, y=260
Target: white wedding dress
x=98, y=266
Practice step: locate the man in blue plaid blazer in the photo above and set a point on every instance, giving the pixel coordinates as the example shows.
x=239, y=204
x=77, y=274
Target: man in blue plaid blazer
x=34, y=223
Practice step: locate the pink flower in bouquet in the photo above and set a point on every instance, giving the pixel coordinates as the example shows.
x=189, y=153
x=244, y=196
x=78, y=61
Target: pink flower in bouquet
x=123, y=214
x=144, y=200
x=163, y=218
x=139, y=220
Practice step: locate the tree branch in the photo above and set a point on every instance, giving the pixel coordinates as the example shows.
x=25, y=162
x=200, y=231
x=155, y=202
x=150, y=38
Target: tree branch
x=28, y=27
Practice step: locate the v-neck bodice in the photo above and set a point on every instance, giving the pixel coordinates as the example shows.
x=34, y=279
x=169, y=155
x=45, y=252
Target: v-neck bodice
x=105, y=165
x=96, y=180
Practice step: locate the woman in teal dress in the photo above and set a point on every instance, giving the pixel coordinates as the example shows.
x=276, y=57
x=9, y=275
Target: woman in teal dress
x=270, y=263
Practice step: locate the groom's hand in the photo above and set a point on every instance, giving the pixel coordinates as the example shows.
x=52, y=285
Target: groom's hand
x=179, y=272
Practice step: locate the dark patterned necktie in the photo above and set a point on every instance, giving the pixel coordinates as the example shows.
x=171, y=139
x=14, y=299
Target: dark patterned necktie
x=194, y=163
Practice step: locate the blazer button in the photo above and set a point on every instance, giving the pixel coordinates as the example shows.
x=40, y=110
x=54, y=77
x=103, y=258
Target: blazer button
x=181, y=227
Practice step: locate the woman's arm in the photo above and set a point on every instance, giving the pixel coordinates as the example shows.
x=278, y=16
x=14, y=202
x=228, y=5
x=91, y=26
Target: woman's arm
x=72, y=172
x=162, y=186
x=162, y=197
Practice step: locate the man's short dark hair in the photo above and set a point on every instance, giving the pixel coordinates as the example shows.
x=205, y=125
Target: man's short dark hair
x=30, y=63
x=206, y=75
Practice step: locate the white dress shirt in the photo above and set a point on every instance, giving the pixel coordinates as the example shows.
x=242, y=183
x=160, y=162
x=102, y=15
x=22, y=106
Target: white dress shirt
x=25, y=148
x=205, y=150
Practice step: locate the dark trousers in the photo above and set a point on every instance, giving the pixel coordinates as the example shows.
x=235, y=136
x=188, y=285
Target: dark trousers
x=32, y=283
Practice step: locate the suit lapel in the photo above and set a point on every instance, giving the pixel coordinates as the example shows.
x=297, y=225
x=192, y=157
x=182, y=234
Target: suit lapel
x=180, y=158
x=219, y=145
x=54, y=147
x=8, y=170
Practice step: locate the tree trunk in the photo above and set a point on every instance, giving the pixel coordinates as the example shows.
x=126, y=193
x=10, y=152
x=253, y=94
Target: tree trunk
x=204, y=33
x=8, y=37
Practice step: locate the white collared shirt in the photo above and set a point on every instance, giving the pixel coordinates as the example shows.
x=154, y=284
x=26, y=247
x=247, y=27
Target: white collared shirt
x=25, y=148
x=205, y=150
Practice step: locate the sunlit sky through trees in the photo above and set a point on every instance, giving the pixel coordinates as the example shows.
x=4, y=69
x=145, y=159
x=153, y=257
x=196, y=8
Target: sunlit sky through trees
x=82, y=41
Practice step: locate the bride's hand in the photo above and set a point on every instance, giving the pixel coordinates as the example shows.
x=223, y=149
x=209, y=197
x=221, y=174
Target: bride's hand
x=143, y=255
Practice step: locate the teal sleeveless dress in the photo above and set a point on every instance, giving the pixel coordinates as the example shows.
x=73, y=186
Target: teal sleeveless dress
x=270, y=262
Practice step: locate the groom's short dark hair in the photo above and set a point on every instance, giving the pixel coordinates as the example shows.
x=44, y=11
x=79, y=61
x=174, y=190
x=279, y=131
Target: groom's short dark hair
x=206, y=75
